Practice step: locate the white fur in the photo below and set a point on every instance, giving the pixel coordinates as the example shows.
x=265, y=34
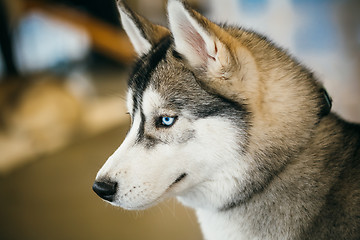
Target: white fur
x=129, y=101
x=151, y=101
x=130, y=166
x=216, y=226
x=141, y=44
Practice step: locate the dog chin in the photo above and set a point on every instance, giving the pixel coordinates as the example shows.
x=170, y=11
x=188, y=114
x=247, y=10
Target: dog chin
x=136, y=206
x=129, y=206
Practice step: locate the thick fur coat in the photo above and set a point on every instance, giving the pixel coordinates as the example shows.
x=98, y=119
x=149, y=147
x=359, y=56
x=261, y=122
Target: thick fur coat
x=235, y=128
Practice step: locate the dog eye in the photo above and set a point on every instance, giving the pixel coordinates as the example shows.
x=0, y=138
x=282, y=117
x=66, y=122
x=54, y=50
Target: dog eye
x=166, y=121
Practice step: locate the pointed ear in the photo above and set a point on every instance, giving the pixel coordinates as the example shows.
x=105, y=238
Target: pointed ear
x=198, y=39
x=142, y=33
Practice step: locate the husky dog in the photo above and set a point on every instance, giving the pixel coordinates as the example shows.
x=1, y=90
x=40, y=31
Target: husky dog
x=235, y=128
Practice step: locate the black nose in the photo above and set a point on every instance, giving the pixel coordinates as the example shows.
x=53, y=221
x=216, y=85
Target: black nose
x=105, y=190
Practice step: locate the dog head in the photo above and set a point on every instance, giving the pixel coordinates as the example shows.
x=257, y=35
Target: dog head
x=181, y=135
x=205, y=125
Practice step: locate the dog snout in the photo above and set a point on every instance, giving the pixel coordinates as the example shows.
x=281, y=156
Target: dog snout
x=105, y=189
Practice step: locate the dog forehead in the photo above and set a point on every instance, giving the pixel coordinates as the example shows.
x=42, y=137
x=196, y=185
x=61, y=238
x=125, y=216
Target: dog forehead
x=174, y=81
x=167, y=81
x=141, y=76
x=168, y=88
x=152, y=101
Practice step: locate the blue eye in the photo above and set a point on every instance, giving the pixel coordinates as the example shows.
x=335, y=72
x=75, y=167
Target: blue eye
x=167, y=121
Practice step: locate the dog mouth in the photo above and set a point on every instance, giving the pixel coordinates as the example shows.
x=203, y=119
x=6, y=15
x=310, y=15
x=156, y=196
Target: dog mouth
x=157, y=200
x=178, y=179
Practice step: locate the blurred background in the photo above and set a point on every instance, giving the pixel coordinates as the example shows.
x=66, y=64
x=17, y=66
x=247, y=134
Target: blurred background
x=63, y=73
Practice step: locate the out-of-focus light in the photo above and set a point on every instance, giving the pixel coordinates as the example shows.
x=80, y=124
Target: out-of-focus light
x=42, y=42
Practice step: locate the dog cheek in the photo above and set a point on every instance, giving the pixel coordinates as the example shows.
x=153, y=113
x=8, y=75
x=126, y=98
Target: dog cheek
x=151, y=165
x=186, y=136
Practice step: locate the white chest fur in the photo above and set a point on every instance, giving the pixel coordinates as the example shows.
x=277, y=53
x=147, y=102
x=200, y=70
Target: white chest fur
x=217, y=225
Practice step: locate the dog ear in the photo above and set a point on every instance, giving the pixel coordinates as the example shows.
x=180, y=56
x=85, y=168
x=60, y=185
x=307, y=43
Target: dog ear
x=142, y=33
x=198, y=39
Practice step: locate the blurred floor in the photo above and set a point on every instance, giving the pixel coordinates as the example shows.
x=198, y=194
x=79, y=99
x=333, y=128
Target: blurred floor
x=52, y=199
